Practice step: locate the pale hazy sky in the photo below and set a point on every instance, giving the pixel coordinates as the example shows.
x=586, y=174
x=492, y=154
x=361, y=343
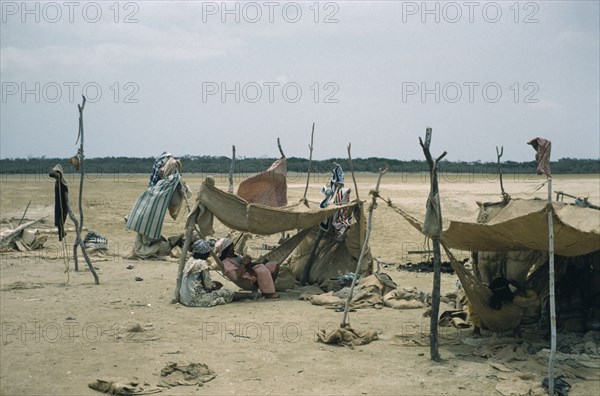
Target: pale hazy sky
x=196, y=77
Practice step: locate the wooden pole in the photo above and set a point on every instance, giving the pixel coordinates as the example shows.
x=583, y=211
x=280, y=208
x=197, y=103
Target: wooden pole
x=79, y=224
x=363, y=250
x=231, y=169
x=79, y=242
x=24, y=213
x=499, y=153
x=279, y=147
x=352, y=171
x=437, y=266
x=189, y=230
x=551, y=291
x=310, y=146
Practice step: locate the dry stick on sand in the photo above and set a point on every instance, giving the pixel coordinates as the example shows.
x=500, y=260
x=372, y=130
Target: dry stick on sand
x=24, y=213
x=374, y=195
x=435, y=293
x=310, y=146
x=79, y=225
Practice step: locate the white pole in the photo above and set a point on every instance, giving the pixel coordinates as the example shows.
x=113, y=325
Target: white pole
x=551, y=291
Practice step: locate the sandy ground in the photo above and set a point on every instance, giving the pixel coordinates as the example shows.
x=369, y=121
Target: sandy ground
x=61, y=332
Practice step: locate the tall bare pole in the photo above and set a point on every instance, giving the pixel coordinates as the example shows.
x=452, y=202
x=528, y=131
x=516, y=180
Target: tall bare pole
x=437, y=266
x=310, y=147
x=231, y=169
x=499, y=153
x=79, y=225
x=551, y=290
x=352, y=171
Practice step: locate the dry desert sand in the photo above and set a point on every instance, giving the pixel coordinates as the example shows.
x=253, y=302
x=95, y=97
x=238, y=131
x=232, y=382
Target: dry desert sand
x=57, y=337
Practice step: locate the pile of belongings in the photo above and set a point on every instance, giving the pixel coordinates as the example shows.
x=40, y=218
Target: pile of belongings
x=95, y=242
x=376, y=291
x=166, y=192
x=22, y=238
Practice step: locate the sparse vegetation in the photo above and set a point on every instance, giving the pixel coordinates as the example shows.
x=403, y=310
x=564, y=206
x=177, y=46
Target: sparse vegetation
x=214, y=165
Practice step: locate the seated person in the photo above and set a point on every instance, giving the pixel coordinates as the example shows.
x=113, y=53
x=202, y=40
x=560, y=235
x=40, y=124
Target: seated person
x=197, y=288
x=238, y=268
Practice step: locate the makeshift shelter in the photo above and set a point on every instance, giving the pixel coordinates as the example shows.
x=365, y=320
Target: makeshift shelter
x=521, y=224
x=517, y=232
x=240, y=215
x=515, y=235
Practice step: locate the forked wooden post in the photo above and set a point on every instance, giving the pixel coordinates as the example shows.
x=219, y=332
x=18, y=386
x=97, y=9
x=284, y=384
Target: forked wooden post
x=79, y=224
x=435, y=293
x=505, y=196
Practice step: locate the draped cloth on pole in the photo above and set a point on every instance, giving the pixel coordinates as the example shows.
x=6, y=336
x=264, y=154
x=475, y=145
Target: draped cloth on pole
x=432, y=225
x=542, y=149
x=61, y=209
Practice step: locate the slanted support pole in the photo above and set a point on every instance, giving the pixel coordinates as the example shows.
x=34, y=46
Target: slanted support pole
x=352, y=171
x=311, y=257
x=435, y=237
x=374, y=195
x=189, y=230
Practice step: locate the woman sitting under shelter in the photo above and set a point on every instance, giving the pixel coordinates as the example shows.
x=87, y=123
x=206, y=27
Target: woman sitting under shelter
x=239, y=269
x=197, y=288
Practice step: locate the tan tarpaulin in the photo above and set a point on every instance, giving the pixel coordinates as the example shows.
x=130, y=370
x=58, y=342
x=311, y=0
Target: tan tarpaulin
x=333, y=257
x=523, y=224
x=236, y=213
x=267, y=188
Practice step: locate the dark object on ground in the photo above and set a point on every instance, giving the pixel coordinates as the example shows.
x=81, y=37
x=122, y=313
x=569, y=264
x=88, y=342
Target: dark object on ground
x=502, y=294
x=425, y=266
x=561, y=387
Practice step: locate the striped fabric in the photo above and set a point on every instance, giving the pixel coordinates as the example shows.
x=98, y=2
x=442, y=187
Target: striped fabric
x=149, y=211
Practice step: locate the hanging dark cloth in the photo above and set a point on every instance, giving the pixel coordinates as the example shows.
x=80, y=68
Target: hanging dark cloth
x=61, y=203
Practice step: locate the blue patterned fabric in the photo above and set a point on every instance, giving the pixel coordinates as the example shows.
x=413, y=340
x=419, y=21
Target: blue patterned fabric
x=158, y=163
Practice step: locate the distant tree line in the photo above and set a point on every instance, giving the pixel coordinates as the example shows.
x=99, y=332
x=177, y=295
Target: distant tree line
x=216, y=165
